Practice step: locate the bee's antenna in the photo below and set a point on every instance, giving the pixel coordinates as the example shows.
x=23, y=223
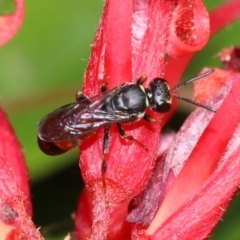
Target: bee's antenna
x=195, y=103
x=190, y=100
x=191, y=80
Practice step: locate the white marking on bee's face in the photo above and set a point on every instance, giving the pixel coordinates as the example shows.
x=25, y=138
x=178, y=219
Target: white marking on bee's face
x=168, y=87
x=169, y=101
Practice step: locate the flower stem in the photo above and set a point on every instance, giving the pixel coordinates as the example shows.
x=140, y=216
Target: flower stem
x=101, y=215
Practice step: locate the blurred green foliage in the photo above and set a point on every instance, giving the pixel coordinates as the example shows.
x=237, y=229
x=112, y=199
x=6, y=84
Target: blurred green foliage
x=42, y=67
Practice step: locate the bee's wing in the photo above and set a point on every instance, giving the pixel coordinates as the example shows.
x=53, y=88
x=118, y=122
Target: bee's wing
x=77, y=119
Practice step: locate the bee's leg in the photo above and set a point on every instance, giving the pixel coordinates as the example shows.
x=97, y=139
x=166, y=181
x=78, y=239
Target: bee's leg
x=106, y=135
x=129, y=137
x=105, y=151
x=81, y=97
x=106, y=141
x=141, y=80
x=148, y=118
x=104, y=87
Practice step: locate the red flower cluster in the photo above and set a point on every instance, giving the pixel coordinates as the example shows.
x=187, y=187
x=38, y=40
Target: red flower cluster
x=181, y=186
x=143, y=37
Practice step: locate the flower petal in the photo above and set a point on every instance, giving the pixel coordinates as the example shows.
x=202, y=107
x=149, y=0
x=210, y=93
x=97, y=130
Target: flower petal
x=204, y=159
x=12, y=209
x=122, y=172
x=189, y=28
x=11, y=150
x=11, y=23
x=218, y=20
x=197, y=217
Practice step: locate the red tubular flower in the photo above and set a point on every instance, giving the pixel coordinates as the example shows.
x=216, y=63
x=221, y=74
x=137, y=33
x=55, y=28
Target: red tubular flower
x=15, y=223
x=202, y=171
x=217, y=22
x=133, y=39
x=115, y=63
x=15, y=204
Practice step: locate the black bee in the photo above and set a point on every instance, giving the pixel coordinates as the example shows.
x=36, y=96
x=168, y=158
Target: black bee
x=68, y=126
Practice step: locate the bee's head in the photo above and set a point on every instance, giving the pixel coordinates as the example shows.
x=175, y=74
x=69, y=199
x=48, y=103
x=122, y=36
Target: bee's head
x=159, y=95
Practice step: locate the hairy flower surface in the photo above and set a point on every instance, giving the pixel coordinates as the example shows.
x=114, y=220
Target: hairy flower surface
x=179, y=185
x=15, y=203
x=145, y=37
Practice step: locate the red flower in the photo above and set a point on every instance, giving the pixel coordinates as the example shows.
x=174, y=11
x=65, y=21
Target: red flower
x=15, y=205
x=179, y=191
x=133, y=39
x=199, y=192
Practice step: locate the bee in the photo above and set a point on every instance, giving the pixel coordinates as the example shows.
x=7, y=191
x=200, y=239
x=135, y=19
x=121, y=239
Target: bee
x=68, y=126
